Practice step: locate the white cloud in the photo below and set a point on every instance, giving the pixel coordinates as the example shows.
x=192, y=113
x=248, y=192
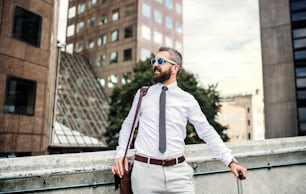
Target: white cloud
x=222, y=44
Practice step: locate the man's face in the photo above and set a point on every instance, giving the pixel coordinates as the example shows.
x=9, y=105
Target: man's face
x=162, y=72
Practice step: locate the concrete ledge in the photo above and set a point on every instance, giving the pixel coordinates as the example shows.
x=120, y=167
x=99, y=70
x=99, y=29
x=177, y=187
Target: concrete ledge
x=90, y=172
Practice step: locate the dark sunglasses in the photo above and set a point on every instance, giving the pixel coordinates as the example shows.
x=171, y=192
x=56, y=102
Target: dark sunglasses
x=161, y=61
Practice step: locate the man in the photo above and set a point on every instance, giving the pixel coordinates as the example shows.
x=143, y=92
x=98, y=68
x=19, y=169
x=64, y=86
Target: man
x=160, y=165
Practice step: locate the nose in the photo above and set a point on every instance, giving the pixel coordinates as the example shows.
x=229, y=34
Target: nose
x=155, y=64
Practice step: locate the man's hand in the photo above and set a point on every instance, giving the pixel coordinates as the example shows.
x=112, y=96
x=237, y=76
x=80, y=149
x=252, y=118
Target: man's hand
x=117, y=167
x=236, y=169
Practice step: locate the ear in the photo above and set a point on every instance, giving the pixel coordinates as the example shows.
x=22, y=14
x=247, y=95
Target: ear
x=175, y=69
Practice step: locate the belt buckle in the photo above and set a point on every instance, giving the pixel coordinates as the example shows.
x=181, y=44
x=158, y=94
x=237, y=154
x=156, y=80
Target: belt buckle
x=165, y=162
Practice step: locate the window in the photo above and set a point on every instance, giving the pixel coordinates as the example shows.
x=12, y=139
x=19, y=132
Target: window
x=69, y=48
x=114, y=57
x=126, y=78
x=101, y=81
x=298, y=5
x=300, y=72
x=102, y=40
x=146, y=10
x=101, y=60
x=158, y=17
x=20, y=96
x=128, y=32
x=81, y=8
x=112, y=80
x=299, y=33
x=115, y=35
x=145, y=54
x=71, y=12
x=70, y=30
x=249, y=123
x=27, y=26
x=80, y=27
x=146, y=32
x=302, y=118
x=92, y=3
x=169, y=4
x=79, y=46
x=169, y=41
x=115, y=15
x=178, y=46
x=178, y=8
x=91, y=22
x=158, y=37
x=178, y=27
x=90, y=43
x=300, y=54
x=299, y=16
x=129, y=9
x=301, y=82
x=103, y=20
x=127, y=54
x=301, y=95
x=103, y=1
x=169, y=22
x=89, y=61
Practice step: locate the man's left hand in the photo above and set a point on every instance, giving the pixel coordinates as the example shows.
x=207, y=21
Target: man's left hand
x=237, y=169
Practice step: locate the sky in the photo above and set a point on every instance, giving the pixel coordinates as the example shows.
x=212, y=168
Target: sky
x=222, y=44
x=221, y=41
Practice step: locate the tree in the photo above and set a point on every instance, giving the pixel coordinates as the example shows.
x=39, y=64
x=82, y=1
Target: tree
x=122, y=97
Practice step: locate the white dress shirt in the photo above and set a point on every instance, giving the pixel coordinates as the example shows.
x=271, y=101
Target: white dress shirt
x=180, y=108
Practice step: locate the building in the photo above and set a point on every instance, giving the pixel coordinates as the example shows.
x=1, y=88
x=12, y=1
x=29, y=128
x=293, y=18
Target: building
x=243, y=115
x=113, y=35
x=283, y=40
x=81, y=108
x=28, y=54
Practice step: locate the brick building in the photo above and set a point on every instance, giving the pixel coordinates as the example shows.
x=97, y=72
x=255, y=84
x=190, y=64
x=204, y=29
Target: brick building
x=114, y=34
x=28, y=52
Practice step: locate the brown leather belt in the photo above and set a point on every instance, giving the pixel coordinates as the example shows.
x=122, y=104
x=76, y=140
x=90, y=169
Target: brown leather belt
x=168, y=162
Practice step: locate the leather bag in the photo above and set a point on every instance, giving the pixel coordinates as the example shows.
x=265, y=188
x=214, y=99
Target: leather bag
x=124, y=183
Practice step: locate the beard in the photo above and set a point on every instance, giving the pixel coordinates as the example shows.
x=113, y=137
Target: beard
x=163, y=76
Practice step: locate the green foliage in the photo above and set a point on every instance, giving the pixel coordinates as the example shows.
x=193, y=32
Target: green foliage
x=122, y=97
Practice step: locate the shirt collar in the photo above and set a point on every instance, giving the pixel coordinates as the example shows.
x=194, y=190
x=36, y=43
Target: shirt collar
x=173, y=85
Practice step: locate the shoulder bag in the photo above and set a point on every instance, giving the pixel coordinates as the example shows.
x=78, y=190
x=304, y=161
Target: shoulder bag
x=124, y=183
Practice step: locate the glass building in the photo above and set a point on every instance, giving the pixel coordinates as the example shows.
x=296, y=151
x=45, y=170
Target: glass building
x=283, y=39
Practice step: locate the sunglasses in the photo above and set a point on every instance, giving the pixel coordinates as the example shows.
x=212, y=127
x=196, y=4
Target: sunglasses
x=161, y=61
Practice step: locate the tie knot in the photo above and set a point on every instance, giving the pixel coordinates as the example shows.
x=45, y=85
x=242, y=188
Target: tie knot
x=164, y=88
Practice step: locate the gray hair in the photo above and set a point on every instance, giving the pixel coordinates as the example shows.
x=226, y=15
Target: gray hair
x=176, y=56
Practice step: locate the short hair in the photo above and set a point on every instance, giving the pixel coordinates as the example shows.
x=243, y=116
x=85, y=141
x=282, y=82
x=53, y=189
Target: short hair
x=176, y=56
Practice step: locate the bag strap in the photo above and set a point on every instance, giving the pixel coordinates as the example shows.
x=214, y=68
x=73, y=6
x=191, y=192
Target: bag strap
x=143, y=92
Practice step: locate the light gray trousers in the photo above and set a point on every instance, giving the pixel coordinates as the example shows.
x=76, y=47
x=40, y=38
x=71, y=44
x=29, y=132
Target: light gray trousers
x=155, y=179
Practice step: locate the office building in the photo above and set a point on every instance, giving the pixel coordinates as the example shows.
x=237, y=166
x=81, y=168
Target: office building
x=113, y=35
x=283, y=41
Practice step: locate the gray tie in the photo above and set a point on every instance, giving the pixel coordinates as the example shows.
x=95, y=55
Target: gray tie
x=162, y=120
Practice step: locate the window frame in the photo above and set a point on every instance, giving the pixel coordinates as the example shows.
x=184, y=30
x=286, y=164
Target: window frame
x=24, y=30
x=9, y=97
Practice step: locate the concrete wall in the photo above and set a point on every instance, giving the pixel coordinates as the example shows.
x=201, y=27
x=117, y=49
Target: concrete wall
x=276, y=166
x=278, y=69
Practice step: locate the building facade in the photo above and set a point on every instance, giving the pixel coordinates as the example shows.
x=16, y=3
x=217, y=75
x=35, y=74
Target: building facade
x=283, y=39
x=28, y=53
x=243, y=115
x=114, y=34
